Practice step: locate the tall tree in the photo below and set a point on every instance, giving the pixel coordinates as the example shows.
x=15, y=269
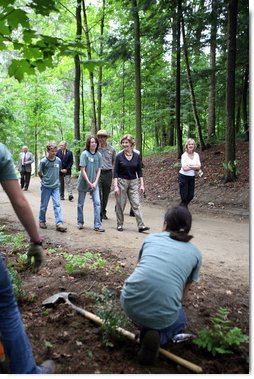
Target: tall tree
x=91, y=74
x=100, y=68
x=230, y=148
x=137, y=60
x=178, y=81
x=77, y=87
x=212, y=76
x=191, y=86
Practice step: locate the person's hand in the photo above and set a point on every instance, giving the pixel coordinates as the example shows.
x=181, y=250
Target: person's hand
x=35, y=251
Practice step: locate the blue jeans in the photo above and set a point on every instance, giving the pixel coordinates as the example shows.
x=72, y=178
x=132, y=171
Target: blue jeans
x=15, y=340
x=96, y=207
x=169, y=332
x=45, y=196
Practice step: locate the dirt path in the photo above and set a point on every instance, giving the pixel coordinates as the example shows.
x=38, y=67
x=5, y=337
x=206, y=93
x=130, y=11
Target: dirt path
x=224, y=242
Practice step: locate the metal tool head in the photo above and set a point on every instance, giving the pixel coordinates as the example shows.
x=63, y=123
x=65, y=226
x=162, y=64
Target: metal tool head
x=60, y=297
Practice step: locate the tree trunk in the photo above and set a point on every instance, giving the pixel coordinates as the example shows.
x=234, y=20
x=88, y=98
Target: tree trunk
x=137, y=59
x=100, y=68
x=245, y=103
x=172, y=124
x=178, y=82
x=77, y=89
x=191, y=88
x=230, y=166
x=212, y=77
x=91, y=76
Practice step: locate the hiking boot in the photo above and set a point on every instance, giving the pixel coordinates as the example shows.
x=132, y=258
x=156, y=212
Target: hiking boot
x=149, y=352
x=61, y=228
x=48, y=367
x=42, y=225
x=71, y=197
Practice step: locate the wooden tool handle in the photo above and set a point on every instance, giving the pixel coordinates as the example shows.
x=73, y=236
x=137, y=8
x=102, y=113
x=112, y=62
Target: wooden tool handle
x=183, y=362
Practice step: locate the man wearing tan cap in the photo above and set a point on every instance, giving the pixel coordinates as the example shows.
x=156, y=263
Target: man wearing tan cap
x=108, y=160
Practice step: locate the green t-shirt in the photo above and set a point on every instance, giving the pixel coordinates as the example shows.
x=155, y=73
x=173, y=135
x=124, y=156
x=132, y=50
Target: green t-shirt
x=152, y=294
x=50, y=170
x=91, y=163
x=7, y=169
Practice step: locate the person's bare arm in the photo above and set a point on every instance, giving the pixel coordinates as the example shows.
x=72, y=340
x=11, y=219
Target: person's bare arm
x=186, y=289
x=21, y=208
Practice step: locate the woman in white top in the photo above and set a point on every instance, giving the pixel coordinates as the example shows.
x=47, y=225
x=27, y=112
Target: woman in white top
x=190, y=163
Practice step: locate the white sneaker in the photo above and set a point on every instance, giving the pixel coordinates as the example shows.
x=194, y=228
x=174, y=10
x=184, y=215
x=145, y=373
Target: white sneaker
x=80, y=226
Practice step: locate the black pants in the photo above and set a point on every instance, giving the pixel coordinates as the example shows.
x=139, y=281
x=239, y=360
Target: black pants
x=24, y=178
x=105, y=187
x=187, y=187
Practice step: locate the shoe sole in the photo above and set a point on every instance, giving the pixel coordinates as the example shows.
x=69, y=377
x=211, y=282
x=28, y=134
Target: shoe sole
x=149, y=351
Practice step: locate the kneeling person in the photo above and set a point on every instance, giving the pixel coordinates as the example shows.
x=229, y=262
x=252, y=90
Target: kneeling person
x=152, y=296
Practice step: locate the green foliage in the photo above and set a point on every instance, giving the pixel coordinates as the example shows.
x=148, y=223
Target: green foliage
x=16, y=241
x=112, y=317
x=231, y=167
x=16, y=283
x=220, y=337
x=88, y=260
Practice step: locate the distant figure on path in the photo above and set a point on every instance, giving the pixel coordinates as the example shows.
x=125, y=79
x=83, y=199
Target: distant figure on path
x=108, y=154
x=49, y=172
x=25, y=167
x=190, y=163
x=66, y=157
x=88, y=181
x=128, y=181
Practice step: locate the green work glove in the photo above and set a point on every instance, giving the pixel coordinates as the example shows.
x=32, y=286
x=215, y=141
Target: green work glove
x=35, y=251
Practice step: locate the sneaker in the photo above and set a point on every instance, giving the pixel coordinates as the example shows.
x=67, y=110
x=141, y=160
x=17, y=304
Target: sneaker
x=80, y=226
x=120, y=228
x=61, y=228
x=42, y=225
x=149, y=352
x=100, y=229
x=48, y=367
x=104, y=217
x=143, y=229
x=62, y=197
x=71, y=197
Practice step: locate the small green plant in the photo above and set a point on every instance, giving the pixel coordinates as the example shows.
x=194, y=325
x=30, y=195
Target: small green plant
x=16, y=241
x=86, y=260
x=16, y=283
x=111, y=316
x=220, y=337
x=231, y=167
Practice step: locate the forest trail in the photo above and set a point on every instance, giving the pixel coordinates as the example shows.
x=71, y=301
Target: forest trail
x=223, y=242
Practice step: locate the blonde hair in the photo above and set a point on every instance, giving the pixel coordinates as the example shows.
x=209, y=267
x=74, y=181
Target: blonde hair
x=129, y=138
x=189, y=140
